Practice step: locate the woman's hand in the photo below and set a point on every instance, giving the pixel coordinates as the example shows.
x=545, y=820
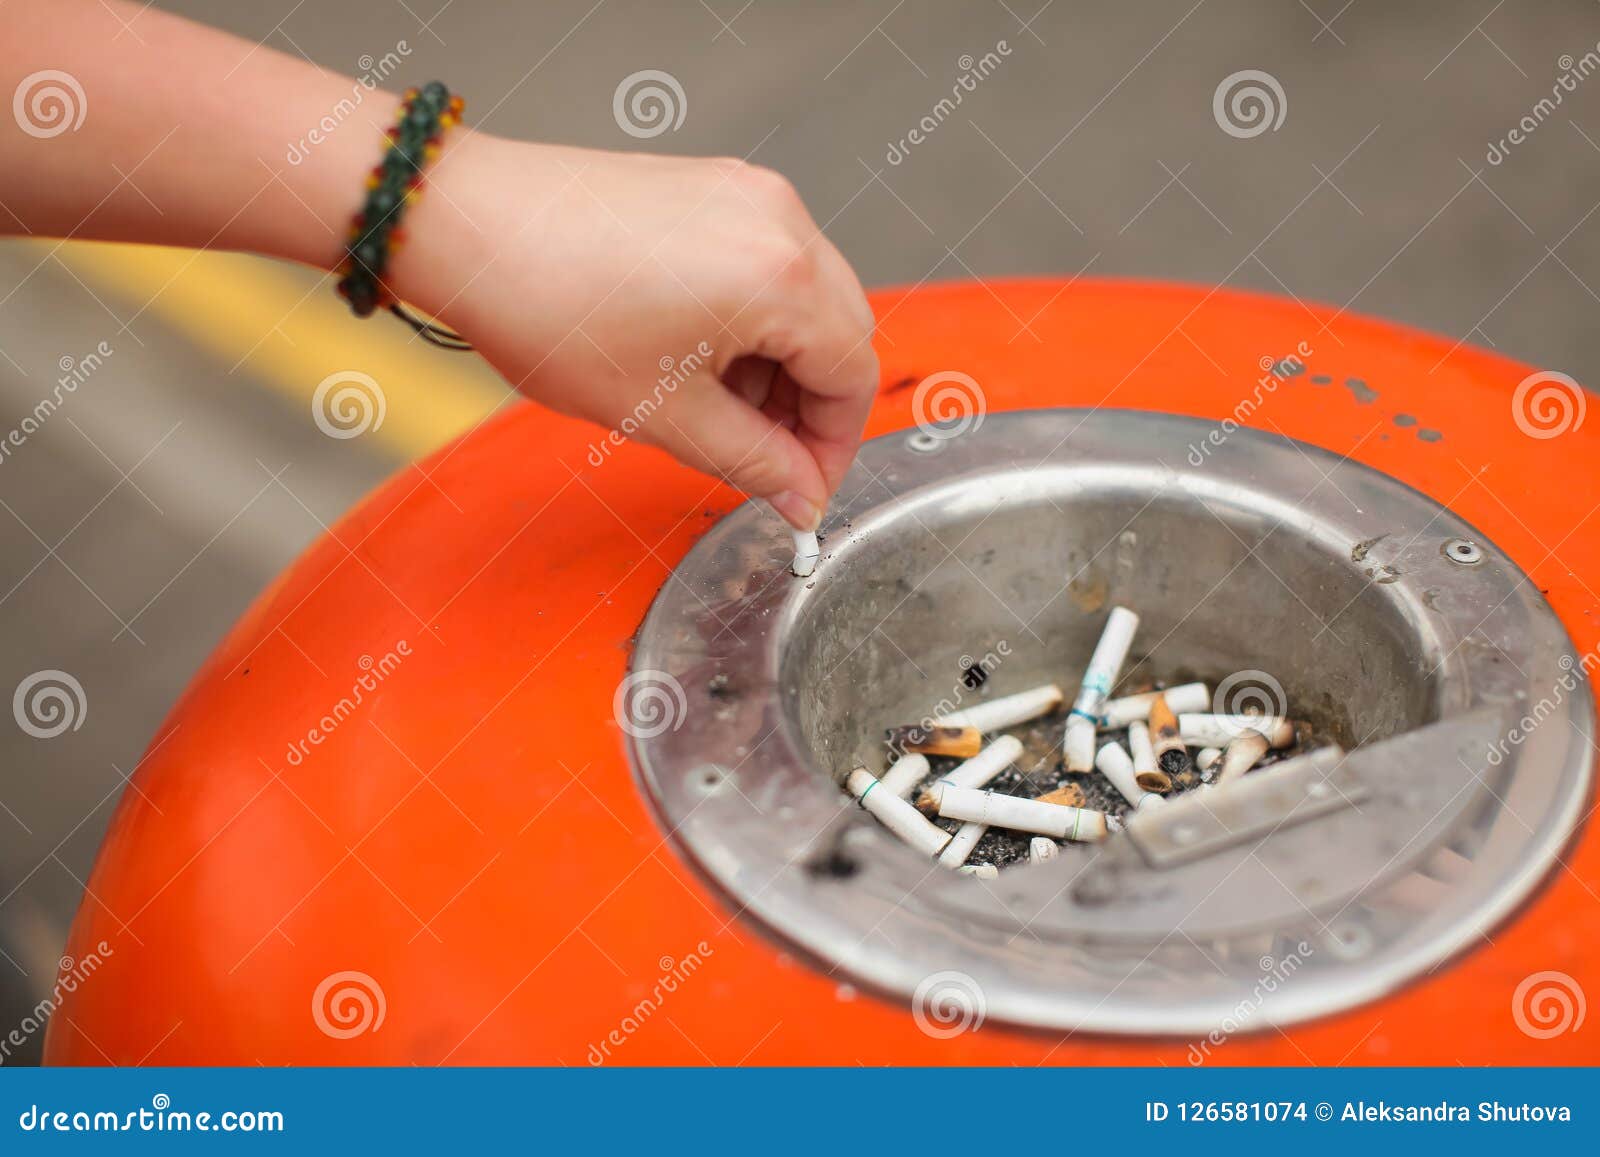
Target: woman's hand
x=690, y=304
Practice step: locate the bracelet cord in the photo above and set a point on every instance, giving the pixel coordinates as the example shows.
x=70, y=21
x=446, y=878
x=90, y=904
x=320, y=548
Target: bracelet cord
x=375, y=231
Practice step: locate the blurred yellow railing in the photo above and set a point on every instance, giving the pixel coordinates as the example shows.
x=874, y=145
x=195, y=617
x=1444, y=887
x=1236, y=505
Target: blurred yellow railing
x=287, y=329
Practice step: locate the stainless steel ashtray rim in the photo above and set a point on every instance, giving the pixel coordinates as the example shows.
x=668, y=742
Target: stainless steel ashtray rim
x=724, y=620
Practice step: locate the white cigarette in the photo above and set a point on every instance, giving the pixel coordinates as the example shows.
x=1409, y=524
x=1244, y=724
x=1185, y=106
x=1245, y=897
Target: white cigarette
x=978, y=770
x=1119, y=713
x=806, y=553
x=1105, y=666
x=1022, y=815
x=1116, y=766
x=981, y=871
x=1147, y=772
x=907, y=772
x=961, y=844
x=1041, y=849
x=1221, y=730
x=1007, y=711
x=1207, y=758
x=896, y=814
x=1241, y=755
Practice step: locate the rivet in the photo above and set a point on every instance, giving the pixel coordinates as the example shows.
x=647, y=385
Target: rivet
x=1461, y=551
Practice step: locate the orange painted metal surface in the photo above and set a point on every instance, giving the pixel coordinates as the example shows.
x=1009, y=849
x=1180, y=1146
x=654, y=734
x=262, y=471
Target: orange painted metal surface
x=469, y=835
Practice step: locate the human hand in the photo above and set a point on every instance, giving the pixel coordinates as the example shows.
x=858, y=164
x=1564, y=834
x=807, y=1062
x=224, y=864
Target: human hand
x=579, y=273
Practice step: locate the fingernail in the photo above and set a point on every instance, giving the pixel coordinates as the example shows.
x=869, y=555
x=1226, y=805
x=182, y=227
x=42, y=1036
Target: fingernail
x=797, y=510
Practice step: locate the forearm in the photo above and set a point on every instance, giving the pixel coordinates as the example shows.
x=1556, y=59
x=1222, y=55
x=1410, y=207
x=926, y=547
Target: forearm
x=189, y=137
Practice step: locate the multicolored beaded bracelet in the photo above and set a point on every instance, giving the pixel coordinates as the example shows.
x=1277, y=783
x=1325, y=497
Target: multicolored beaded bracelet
x=375, y=233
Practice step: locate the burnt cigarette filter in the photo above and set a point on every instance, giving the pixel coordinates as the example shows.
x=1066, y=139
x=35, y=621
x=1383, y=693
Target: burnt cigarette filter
x=1221, y=730
x=896, y=814
x=1119, y=713
x=961, y=844
x=806, y=553
x=980, y=871
x=1105, y=667
x=1007, y=711
x=903, y=777
x=978, y=770
x=955, y=742
x=970, y=805
x=1241, y=755
x=1166, y=739
x=1117, y=766
x=1145, y=771
x=1041, y=849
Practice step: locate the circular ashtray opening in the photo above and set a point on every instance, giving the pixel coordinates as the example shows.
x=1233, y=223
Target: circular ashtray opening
x=949, y=605
x=1275, y=572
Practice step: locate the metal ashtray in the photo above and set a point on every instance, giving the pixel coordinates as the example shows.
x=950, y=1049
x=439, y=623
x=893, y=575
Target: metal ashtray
x=1394, y=627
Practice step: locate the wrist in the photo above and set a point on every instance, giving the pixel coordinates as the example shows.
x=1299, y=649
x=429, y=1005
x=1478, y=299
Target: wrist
x=447, y=238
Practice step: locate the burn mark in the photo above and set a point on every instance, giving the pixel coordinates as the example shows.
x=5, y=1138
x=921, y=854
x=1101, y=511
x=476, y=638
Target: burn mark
x=1363, y=548
x=900, y=386
x=1404, y=420
x=1429, y=435
x=834, y=862
x=1363, y=392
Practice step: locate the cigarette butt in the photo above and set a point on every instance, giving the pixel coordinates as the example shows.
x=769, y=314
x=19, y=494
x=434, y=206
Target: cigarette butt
x=1067, y=795
x=1166, y=739
x=1119, y=713
x=957, y=742
x=1241, y=755
x=1220, y=730
x=903, y=777
x=1105, y=666
x=1041, y=849
x=806, y=553
x=971, y=805
x=981, y=871
x=1207, y=758
x=1155, y=780
x=1146, y=773
x=961, y=844
x=1116, y=765
x=978, y=770
x=896, y=814
x=1007, y=711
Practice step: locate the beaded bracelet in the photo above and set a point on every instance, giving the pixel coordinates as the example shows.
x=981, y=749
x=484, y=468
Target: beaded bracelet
x=375, y=231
